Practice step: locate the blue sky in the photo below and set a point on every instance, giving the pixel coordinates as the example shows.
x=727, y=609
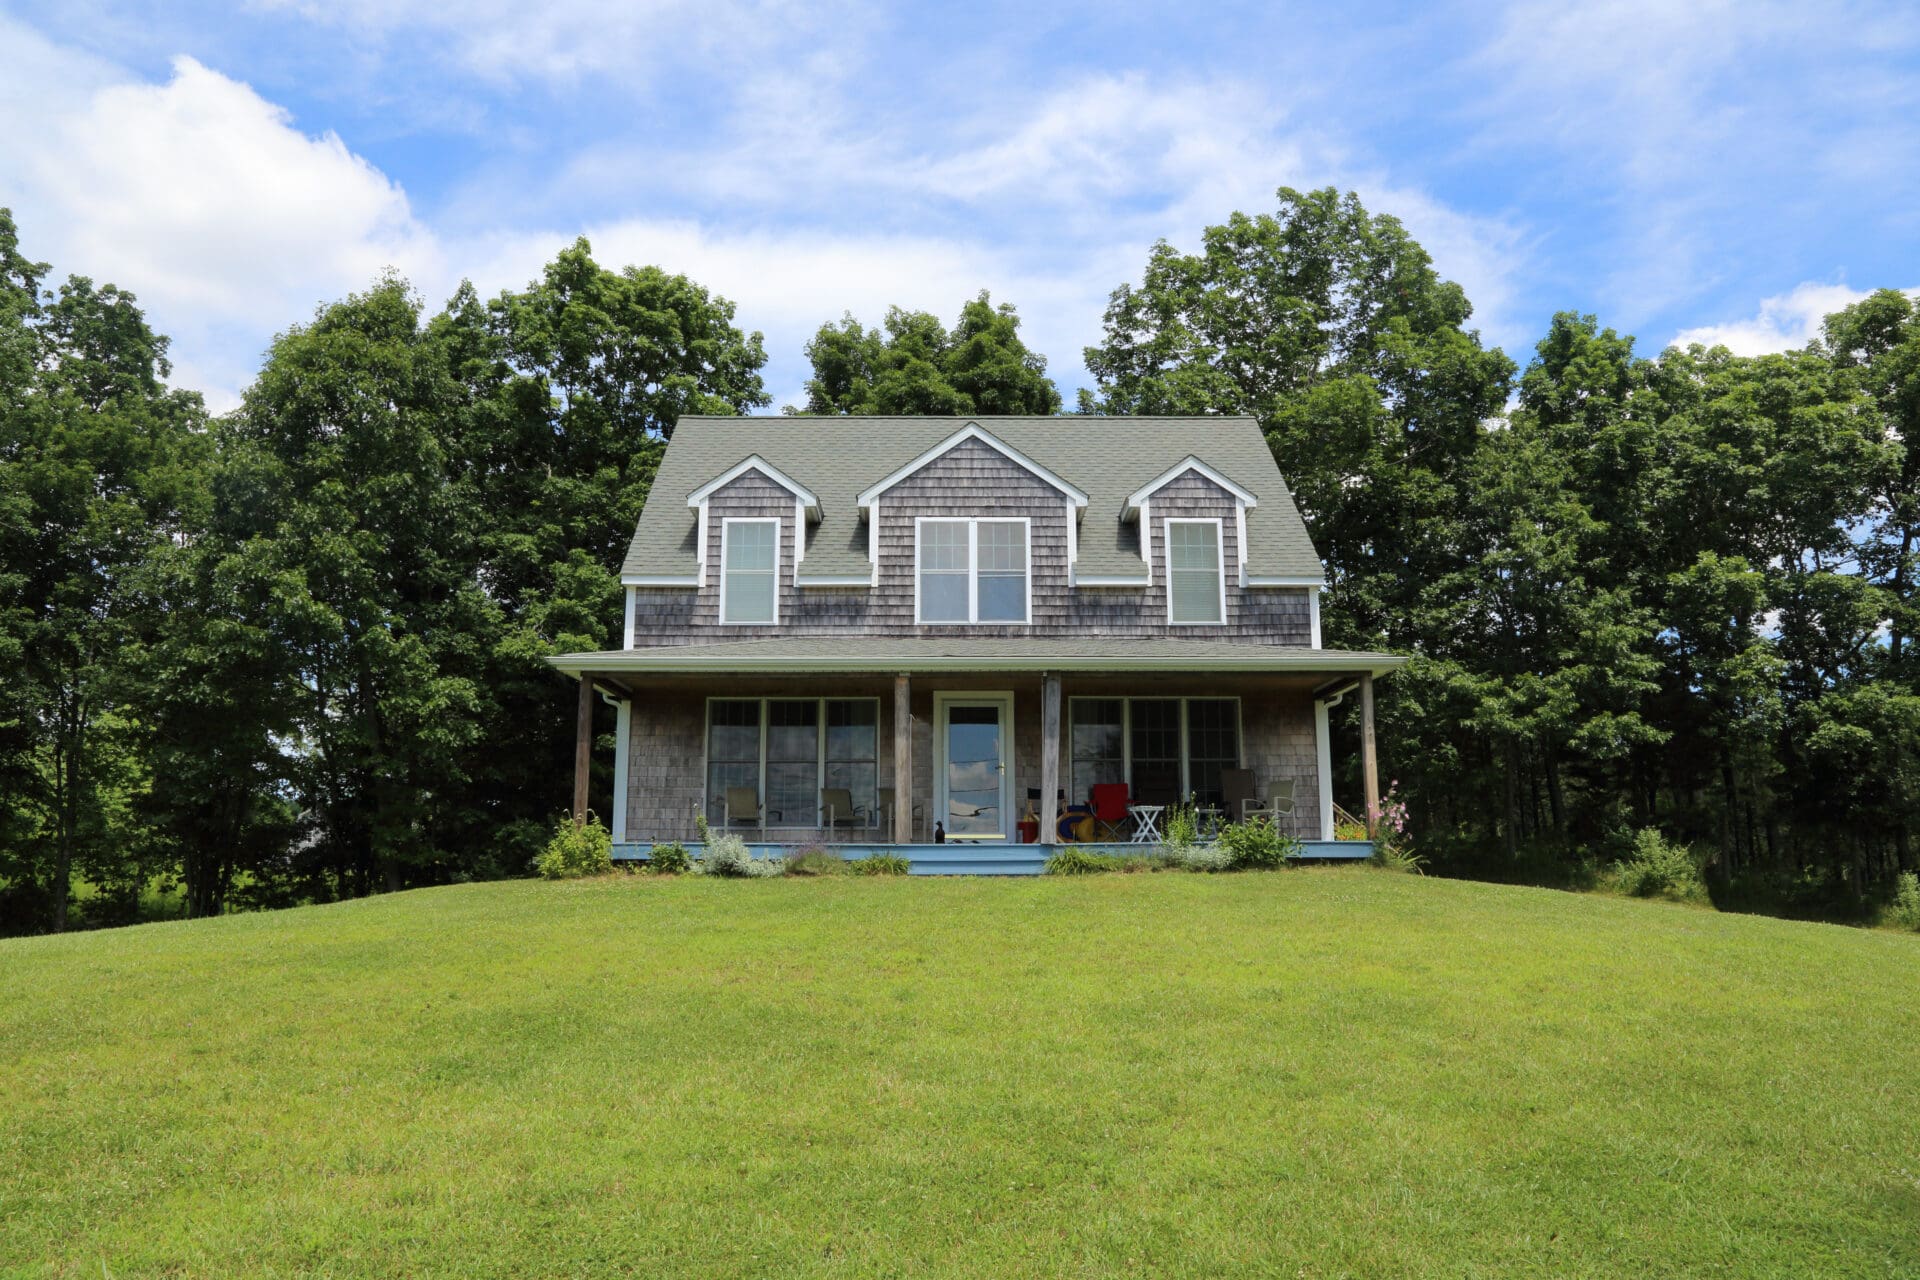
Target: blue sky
x=1702, y=171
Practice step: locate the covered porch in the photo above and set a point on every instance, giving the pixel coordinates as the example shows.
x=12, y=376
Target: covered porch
x=944, y=751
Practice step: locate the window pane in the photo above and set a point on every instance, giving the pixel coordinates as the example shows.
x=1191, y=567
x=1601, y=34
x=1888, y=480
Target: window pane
x=943, y=597
x=943, y=545
x=733, y=751
x=1196, y=596
x=1191, y=545
x=749, y=596
x=1213, y=744
x=1156, y=749
x=750, y=546
x=1096, y=740
x=1003, y=597
x=853, y=731
x=793, y=753
x=1003, y=547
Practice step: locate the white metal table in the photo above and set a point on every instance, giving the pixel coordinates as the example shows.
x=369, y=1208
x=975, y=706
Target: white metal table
x=1146, y=822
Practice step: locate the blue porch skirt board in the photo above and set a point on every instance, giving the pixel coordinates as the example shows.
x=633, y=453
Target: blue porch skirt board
x=988, y=859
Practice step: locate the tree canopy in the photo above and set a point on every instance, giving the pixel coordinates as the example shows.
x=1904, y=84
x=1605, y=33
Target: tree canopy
x=918, y=367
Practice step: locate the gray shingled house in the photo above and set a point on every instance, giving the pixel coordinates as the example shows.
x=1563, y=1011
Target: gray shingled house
x=895, y=631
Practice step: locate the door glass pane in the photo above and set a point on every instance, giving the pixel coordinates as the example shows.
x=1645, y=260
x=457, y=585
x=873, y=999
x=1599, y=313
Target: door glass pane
x=733, y=751
x=793, y=754
x=973, y=772
x=1003, y=571
x=943, y=571
x=1156, y=750
x=1096, y=744
x=852, y=741
x=1213, y=744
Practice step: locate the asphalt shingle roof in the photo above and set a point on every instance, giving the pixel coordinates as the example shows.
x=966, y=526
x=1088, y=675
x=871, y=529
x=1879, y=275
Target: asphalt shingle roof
x=837, y=458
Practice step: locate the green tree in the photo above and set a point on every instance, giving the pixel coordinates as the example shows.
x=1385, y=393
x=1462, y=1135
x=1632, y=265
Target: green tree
x=1331, y=327
x=917, y=367
x=97, y=455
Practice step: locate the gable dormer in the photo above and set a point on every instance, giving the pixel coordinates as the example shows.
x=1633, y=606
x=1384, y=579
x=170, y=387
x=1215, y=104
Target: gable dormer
x=971, y=437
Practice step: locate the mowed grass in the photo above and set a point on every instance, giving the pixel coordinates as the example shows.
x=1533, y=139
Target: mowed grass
x=1328, y=1072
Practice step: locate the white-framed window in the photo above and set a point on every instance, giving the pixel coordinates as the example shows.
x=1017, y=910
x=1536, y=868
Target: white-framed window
x=973, y=571
x=750, y=572
x=1196, y=581
x=1156, y=745
x=789, y=750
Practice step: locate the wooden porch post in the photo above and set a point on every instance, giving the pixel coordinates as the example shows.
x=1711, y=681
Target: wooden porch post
x=1369, y=760
x=902, y=760
x=1049, y=755
x=582, y=750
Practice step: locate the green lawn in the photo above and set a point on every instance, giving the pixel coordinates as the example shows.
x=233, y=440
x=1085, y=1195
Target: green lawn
x=1326, y=1072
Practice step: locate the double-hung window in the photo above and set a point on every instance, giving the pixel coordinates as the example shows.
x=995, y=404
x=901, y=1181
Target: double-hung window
x=750, y=572
x=972, y=571
x=1196, y=587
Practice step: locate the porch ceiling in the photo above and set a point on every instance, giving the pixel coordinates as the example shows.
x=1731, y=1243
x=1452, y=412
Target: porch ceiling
x=817, y=655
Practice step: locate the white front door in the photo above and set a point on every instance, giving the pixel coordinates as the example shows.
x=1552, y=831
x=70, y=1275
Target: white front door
x=973, y=777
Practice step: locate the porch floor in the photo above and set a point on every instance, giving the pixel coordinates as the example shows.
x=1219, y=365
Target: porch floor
x=987, y=858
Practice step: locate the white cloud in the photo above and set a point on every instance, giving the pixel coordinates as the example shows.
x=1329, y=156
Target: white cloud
x=508, y=40
x=1784, y=321
x=208, y=203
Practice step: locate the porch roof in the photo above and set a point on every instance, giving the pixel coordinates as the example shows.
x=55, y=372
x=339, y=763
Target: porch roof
x=863, y=654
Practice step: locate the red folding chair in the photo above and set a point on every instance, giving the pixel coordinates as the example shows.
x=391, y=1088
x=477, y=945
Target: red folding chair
x=1110, y=807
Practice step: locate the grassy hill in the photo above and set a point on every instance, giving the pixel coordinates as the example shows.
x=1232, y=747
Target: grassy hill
x=1333, y=1072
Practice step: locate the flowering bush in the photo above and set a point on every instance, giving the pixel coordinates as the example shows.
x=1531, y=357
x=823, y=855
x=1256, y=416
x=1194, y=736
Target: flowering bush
x=1393, y=847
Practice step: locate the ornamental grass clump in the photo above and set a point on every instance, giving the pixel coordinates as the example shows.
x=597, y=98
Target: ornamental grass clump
x=816, y=861
x=880, y=864
x=577, y=849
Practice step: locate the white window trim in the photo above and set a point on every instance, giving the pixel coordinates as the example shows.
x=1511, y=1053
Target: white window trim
x=1219, y=560
x=820, y=752
x=973, y=524
x=1126, y=702
x=726, y=534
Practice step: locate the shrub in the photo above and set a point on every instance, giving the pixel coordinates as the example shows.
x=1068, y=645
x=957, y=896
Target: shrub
x=1256, y=845
x=1349, y=831
x=880, y=864
x=1905, y=910
x=576, y=849
x=1658, y=868
x=726, y=855
x=670, y=859
x=1182, y=828
x=1080, y=862
x=1199, y=857
x=816, y=861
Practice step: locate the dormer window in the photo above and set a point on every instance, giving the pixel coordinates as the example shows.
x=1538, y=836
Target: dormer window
x=750, y=572
x=1196, y=588
x=971, y=571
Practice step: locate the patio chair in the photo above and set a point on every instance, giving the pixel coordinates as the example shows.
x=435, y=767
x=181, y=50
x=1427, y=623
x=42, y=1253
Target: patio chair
x=742, y=809
x=1244, y=801
x=836, y=803
x=1109, y=807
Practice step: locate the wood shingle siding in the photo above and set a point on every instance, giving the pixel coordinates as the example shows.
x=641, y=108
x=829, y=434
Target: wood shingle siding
x=973, y=480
